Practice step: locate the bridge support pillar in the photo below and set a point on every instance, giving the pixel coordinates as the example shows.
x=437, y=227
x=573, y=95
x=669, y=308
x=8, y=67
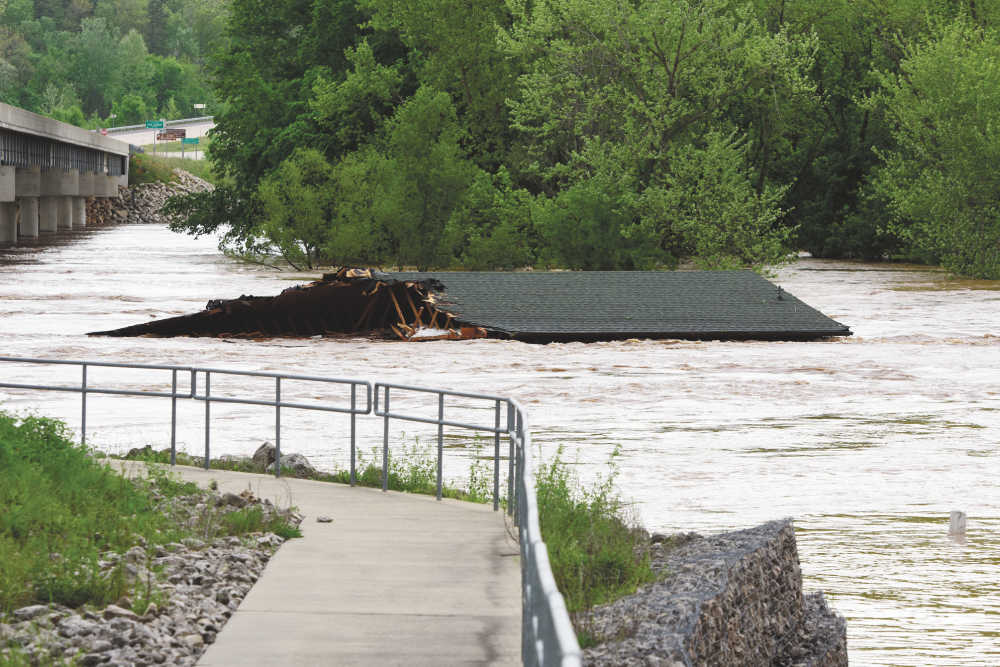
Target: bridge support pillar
x=8, y=224
x=64, y=215
x=28, y=227
x=79, y=211
x=8, y=190
x=48, y=215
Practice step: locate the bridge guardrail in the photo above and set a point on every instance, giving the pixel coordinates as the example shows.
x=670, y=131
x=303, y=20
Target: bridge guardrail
x=547, y=635
x=142, y=126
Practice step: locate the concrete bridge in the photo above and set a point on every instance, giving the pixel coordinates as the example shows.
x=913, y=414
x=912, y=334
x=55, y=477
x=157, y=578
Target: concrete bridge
x=48, y=170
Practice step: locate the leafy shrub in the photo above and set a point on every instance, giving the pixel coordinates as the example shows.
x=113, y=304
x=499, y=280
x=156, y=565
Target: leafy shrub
x=596, y=552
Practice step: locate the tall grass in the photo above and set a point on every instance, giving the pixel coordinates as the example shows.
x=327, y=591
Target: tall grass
x=61, y=511
x=596, y=550
x=178, y=146
x=414, y=470
x=411, y=469
x=146, y=168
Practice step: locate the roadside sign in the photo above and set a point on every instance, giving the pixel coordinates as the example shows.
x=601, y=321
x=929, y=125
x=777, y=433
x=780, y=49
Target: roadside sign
x=192, y=140
x=171, y=134
x=154, y=124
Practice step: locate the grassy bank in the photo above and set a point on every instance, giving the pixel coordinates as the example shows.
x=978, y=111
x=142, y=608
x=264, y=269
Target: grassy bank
x=597, y=551
x=177, y=146
x=145, y=168
x=61, y=511
x=411, y=470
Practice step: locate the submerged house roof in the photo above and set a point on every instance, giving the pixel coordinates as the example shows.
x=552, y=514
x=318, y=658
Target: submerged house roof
x=531, y=306
x=589, y=305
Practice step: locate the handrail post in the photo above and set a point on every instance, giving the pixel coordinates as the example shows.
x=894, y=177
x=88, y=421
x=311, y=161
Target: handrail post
x=385, y=445
x=440, y=462
x=277, y=427
x=510, y=459
x=519, y=468
x=208, y=412
x=496, y=457
x=173, y=418
x=83, y=408
x=354, y=418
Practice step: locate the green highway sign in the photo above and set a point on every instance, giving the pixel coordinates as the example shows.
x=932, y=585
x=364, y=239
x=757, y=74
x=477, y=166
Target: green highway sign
x=154, y=124
x=192, y=140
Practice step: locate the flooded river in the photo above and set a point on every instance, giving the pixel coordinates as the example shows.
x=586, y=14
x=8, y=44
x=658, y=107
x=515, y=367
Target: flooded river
x=868, y=442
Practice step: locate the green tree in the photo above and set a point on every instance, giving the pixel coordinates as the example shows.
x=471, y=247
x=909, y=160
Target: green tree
x=940, y=179
x=15, y=12
x=124, y=15
x=425, y=179
x=296, y=203
x=492, y=227
x=134, y=67
x=16, y=67
x=615, y=94
x=452, y=47
x=706, y=205
x=349, y=110
x=156, y=27
x=130, y=110
x=95, y=64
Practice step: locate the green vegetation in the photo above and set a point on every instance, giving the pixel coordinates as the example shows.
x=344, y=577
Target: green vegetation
x=415, y=471
x=597, y=552
x=145, y=168
x=98, y=63
x=939, y=177
x=411, y=470
x=176, y=146
x=560, y=133
x=597, y=134
x=61, y=511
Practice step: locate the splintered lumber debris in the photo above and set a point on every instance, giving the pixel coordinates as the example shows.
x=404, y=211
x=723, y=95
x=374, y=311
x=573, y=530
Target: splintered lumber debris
x=529, y=306
x=349, y=301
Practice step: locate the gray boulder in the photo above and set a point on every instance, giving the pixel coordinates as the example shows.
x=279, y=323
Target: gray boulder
x=298, y=464
x=264, y=456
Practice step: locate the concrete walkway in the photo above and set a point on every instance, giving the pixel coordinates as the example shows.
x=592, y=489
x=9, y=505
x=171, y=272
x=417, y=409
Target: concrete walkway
x=396, y=579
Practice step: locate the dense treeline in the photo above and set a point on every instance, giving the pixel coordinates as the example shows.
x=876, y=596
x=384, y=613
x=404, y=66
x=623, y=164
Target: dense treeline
x=96, y=63
x=606, y=134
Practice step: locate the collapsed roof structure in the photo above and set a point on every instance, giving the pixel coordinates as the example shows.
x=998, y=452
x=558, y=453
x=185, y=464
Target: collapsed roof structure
x=529, y=306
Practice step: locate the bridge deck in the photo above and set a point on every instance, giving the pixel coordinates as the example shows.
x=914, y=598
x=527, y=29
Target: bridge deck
x=396, y=579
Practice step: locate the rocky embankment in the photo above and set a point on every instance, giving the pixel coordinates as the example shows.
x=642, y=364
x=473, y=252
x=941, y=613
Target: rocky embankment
x=142, y=203
x=194, y=586
x=729, y=599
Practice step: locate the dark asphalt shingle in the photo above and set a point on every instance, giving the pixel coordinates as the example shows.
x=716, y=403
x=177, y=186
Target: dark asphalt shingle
x=610, y=304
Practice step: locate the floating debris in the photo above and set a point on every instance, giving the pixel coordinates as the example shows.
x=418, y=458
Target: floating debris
x=530, y=306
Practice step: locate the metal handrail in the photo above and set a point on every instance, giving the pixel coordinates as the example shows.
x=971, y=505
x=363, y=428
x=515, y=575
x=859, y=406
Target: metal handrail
x=84, y=389
x=277, y=404
x=383, y=388
x=547, y=635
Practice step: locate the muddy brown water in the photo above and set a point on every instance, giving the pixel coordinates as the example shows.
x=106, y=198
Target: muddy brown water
x=868, y=442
